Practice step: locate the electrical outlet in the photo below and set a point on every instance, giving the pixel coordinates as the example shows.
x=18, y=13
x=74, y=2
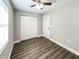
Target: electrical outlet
x=68, y=41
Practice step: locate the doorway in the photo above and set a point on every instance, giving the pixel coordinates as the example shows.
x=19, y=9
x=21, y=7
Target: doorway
x=46, y=25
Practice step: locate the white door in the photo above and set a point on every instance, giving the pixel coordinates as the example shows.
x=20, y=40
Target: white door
x=28, y=27
x=46, y=25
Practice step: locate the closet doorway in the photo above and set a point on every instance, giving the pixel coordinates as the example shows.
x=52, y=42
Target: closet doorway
x=28, y=27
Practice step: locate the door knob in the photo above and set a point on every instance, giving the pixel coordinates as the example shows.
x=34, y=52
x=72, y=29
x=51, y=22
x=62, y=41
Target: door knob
x=48, y=28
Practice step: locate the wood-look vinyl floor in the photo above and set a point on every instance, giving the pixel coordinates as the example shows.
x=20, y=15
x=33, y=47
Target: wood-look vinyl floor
x=40, y=48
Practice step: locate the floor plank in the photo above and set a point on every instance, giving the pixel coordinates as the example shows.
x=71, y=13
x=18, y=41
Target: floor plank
x=40, y=48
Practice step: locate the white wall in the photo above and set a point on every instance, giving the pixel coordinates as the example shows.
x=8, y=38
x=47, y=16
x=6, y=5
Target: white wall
x=64, y=23
x=6, y=53
x=17, y=23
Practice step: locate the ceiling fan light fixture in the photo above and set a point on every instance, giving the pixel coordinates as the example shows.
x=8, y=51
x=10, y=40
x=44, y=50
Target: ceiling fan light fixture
x=39, y=6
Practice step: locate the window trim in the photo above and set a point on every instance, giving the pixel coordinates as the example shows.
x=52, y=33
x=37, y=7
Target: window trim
x=6, y=8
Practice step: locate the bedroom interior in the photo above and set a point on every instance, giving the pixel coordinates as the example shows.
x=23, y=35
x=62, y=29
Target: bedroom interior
x=39, y=29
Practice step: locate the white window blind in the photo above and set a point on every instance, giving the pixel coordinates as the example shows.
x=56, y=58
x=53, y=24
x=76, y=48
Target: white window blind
x=3, y=26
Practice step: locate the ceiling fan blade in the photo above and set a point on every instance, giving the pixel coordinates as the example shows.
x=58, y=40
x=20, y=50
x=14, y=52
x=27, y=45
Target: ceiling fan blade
x=33, y=5
x=47, y=3
x=34, y=0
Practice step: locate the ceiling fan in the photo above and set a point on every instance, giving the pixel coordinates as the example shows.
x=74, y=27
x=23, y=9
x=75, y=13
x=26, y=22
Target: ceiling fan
x=42, y=2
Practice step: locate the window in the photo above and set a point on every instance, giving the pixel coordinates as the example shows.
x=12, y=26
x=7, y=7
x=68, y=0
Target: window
x=3, y=25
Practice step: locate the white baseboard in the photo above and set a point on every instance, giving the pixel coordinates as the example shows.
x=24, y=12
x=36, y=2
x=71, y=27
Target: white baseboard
x=70, y=49
x=17, y=41
x=27, y=38
x=10, y=51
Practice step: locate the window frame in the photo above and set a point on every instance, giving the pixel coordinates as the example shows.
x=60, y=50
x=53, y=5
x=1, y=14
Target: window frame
x=2, y=3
